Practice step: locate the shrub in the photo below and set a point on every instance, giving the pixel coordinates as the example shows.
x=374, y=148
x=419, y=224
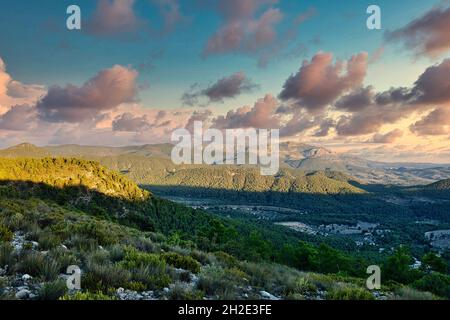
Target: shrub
x=349, y=293
x=50, y=269
x=180, y=261
x=104, y=277
x=7, y=257
x=212, y=281
x=116, y=253
x=87, y=296
x=305, y=286
x=6, y=235
x=136, y=286
x=225, y=259
x=97, y=257
x=48, y=241
x=406, y=293
x=181, y=291
x=135, y=259
x=37, y=265
x=53, y=290
x=436, y=283
x=153, y=279
x=63, y=257
x=433, y=262
x=82, y=243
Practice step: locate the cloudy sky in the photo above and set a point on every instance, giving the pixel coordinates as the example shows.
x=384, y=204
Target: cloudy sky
x=138, y=69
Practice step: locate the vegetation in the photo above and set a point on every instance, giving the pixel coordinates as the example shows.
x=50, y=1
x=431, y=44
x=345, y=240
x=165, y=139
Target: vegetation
x=121, y=236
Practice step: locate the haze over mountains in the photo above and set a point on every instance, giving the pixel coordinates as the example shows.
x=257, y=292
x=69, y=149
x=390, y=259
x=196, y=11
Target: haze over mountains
x=299, y=156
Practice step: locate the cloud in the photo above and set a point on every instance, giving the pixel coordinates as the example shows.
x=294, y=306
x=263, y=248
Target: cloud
x=427, y=35
x=356, y=100
x=112, y=17
x=18, y=118
x=171, y=14
x=261, y=116
x=433, y=86
x=225, y=88
x=278, y=48
x=389, y=137
x=202, y=116
x=319, y=82
x=242, y=29
x=437, y=122
x=127, y=122
x=324, y=128
x=13, y=92
x=369, y=111
x=108, y=89
x=300, y=122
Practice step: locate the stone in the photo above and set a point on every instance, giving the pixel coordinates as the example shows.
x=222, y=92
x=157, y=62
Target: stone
x=26, y=277
x=23, y=294
x=268, y=296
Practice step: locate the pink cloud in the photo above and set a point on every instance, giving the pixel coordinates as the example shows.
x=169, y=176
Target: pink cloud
x=319, y=82
x=242, y=30
x=107, y=90
x=427, y=35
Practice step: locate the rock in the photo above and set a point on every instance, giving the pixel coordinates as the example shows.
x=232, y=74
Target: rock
x=64, y=247
x=267, y=296
x=120, y=290
x=32, y=296
x=26, y=277
x=23, y=294
x=166, y=290
x=35, y=244
x=23, y=288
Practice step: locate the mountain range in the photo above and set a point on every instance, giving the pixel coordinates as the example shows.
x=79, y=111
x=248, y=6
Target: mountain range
x=298, y=156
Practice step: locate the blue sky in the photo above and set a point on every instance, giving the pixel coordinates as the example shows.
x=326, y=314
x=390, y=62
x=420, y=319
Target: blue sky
x=37, y=47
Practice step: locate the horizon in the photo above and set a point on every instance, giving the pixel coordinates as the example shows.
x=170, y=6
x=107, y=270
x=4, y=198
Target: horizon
x=173, y=144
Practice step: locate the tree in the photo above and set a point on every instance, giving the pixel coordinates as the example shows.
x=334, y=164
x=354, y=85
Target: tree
x=432, y=262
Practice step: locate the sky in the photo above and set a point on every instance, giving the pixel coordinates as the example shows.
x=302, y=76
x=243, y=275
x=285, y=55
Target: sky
x=139, y=69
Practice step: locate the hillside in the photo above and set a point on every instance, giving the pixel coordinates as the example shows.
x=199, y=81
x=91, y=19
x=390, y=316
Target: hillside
x=298, y=156
x=63, y=173
x=443, y=185
x=24, y=150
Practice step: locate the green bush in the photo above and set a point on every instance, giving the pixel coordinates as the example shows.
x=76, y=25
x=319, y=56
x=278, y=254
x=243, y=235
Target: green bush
x=225, y=259
x=180, y=261
x=6, y=235
x=212, y=281
x=7, y=257
x=53, y=290
x=38, y=265
x=349, y=293
x=87, y=296
x=152, y=278
x=48, y=241
x=64, y=258
x=182, y=292
x=436, y=283
x=134, y=259
x=406, y=293
x=433, y=262
x=104, y=277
